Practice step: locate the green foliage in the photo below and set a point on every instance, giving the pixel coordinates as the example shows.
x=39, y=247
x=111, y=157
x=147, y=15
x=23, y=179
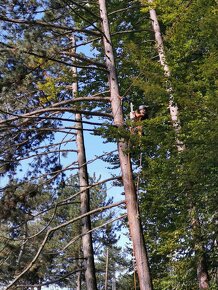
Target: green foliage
x=174, y=186
x=49, y=89
x=175, y=190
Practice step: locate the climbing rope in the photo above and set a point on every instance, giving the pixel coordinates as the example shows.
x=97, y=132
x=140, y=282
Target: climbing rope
x=138, y=176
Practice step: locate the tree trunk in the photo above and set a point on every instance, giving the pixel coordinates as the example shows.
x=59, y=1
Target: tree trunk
x=21, y=252
x=172, y=105
x=125, y=162
x=106, y=270
x=87, y=247
x=202, y=273
x=114, y=283
x=78, y=281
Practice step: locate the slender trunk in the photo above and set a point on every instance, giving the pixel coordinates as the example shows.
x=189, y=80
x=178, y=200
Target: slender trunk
x=125, y=162
x=78, y=283
x=202, y=274
x=114, y=283
x=87, y=246
x=22, y=246
x=106, y=270
x=86, y=223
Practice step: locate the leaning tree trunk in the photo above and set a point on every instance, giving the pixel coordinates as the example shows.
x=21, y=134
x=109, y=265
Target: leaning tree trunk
x=125, y=162
x=87, y=246
x=202, y=274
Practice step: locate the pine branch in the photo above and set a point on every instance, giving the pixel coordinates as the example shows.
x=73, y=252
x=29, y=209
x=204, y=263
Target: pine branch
x=44, y=55
x=74, y=121
x=53, y=108
x=50, y=231
x=123, y=9
x=49, y=25
x=80, y=57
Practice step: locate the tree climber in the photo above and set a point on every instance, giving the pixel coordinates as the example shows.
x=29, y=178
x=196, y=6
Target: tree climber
x=139, y=115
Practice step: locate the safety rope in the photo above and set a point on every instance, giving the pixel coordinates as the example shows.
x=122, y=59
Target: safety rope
x=137, y=191
x=134, y=271
x=138, y=176
x=128, y=89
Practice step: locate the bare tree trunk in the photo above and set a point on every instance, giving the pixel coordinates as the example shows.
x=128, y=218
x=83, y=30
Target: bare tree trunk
x=172, y=105
x=114, y=283
x=125, y=162
x=78, y=283
x=87, y=246
x=106, y=270
x=202, y=274
x=22, y=246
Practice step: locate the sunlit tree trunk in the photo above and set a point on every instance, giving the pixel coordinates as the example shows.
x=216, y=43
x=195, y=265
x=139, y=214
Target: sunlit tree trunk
x=78, y=281
x=160, y=48
x=202, y=273
x=87, y=246
x=125, y=162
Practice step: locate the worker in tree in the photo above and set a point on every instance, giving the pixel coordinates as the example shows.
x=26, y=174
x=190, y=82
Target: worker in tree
x=139, y=115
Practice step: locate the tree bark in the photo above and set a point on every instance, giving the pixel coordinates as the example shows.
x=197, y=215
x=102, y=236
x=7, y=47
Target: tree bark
x=106, y=270
x=202, y=273
x=78, y=281
x=87, y=247
x=160, y=48
x=125, y=162
x=201, y=261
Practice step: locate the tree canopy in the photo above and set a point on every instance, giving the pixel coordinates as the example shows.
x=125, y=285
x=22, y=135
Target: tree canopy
x=41, y=42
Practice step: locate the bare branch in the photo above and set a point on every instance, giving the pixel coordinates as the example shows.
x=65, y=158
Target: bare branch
x=53, y=281
x=80, y=57
x=43, y=153
x=130, y=31
x=35, y=113
x=101, y=226
x=52, y=58
x=89, y=11
x=54, y=144
x=66, y=202
x=49, y=25
x=123, y=9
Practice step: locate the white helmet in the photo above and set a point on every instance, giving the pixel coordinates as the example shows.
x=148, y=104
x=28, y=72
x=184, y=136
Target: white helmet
x=141, y=107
